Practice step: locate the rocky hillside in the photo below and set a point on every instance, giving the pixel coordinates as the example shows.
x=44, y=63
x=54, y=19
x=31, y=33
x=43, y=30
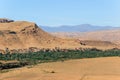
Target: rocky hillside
x=23, y=35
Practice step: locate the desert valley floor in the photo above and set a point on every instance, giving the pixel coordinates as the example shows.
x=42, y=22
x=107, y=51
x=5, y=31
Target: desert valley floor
x=28, y=37
x=107, y=68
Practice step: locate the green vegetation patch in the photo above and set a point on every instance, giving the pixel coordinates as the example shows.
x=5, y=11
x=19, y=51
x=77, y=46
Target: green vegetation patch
x=50, y=56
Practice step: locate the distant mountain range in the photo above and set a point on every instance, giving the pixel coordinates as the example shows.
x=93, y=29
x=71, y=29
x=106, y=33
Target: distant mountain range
x=77, y=28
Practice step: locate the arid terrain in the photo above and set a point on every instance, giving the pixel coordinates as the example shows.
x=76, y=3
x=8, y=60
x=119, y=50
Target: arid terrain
x=23, y=35
x=103, y=35
x=83, y=69
x=60, y=40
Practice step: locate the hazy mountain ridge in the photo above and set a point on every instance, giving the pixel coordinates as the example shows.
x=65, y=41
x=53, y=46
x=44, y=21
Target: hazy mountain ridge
x=78, y=28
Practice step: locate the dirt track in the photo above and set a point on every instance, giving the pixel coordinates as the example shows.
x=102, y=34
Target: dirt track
x=81, y=69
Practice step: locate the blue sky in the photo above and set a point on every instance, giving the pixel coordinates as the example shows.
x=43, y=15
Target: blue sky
x=63, y=12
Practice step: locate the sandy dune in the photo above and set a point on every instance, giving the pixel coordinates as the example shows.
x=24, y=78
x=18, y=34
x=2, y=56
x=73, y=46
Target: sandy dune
x=81, y=69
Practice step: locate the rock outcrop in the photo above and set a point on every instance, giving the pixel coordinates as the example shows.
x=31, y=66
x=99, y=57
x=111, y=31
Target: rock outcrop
x=4, y=20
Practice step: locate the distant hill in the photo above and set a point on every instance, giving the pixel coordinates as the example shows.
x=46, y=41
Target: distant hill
x=103, y=35
x=77, y=28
